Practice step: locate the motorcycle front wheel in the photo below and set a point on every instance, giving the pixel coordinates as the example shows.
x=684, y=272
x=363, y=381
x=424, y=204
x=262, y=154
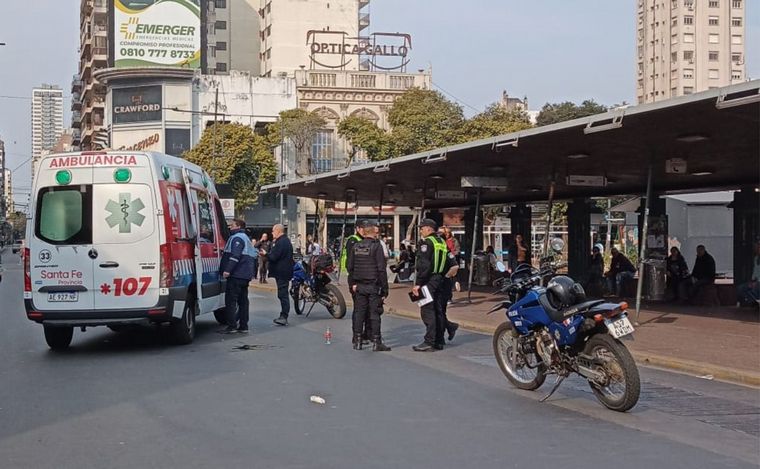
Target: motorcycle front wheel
x=336, y=304
x=621, y=391
x=299, y=298
x=513, y=363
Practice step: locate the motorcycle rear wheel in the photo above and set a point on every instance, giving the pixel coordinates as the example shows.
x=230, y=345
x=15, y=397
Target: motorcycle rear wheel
x=622, y=391
x=512, y=362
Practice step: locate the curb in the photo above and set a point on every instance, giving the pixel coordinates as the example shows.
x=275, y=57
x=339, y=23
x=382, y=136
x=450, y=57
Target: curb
x=731, y=375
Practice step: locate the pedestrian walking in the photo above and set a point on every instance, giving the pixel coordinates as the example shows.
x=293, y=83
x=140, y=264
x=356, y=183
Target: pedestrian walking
x=433, y=257
x=368, y=282
x=449, y=283
x=237, y=269
x=280, y=259
x=264, y=246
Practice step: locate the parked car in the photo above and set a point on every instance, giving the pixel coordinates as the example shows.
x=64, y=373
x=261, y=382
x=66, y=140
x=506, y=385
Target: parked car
x=17, y=247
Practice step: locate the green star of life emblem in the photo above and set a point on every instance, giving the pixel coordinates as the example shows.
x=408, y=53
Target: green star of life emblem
x=125, y=212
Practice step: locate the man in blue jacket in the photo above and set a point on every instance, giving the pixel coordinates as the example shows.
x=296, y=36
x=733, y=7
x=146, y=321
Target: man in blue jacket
x=238, y=269
x=280, y=259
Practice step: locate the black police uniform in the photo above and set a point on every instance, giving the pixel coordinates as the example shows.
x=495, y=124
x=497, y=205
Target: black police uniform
x=349, y=250
x=367, y=271
x=433, y=261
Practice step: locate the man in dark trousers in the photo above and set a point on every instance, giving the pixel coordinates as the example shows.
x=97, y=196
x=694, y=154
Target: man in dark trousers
x=237, y=269
x=264, y=245
x=431, y=265
x=368, y=281
x=621, y=269
x=280, y=259
x=348, y=251
x=703, y=272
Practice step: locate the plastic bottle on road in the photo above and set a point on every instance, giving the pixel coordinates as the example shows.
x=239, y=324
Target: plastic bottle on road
x=328, y=336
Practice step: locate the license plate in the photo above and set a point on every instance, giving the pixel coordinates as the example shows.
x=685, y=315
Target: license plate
x=63, y=297
x=619, y=327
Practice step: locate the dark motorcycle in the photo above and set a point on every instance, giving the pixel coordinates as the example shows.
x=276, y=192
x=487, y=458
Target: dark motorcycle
x=539, y=339
x=311, y=283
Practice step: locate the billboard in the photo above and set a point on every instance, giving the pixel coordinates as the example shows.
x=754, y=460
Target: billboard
x=136, y=104
x=156, y=33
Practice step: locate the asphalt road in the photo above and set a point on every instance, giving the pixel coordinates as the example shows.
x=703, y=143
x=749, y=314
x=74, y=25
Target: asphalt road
x=130, y=400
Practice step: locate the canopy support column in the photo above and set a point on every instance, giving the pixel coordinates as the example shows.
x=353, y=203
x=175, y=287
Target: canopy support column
x=643, y=243
x=342, y=245
x=474, y=245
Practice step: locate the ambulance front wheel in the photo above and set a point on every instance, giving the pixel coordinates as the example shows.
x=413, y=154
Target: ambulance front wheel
x=58, y=338
x=183, y=331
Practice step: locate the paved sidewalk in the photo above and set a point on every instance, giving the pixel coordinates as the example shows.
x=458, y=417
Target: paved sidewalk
x=723, y=342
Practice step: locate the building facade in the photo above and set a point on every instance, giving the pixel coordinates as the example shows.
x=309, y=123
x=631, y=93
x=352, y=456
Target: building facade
x=47, y=120
x=285, y=25
x=8, y=192
x=4, y=180
x=687, y=46
x=87, y=95
x=232, y=36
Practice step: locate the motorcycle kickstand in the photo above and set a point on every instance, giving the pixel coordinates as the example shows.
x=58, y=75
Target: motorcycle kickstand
x=310, y=308
x=554, y=388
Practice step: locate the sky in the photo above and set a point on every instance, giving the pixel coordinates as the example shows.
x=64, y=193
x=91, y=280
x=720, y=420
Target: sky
x=548, y=50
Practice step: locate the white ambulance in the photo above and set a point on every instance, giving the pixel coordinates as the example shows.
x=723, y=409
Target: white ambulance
x=119, y=238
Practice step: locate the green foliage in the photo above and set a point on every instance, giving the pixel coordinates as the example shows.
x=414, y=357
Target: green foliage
x=495, y=120
x=560, y=112
x=422, y=120
x=363, y=134
x=299, y=126
x=233, y=154
x=17, y=221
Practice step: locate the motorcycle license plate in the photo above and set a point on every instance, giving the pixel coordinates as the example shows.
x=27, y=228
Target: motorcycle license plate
x=63, y=297
x=619, y=327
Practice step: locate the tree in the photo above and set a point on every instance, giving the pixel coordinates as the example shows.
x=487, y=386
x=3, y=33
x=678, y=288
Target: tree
x=422, y=120
x=363, y=134
x=233, y=154
x=495, y=120
x=560, y=112
x=299, y=126
x=17, y=221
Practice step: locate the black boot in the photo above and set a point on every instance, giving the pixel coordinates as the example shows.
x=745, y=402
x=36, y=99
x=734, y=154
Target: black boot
x=357, y=341
x=379, y=346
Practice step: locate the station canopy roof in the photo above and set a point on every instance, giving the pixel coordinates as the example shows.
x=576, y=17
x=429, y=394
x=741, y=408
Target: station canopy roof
x=701, y=142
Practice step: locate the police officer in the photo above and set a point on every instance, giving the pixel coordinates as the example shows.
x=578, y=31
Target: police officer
x=434, y=261
x=237, y=268
x=348, y=251
x=368, y=281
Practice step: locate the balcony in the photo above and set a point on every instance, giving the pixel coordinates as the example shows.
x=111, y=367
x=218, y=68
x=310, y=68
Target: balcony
x=363, y=22
x=362, y=80
x=76, y=118
x=76, y=84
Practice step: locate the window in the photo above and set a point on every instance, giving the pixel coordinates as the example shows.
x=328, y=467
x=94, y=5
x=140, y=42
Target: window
x=688, y=20
x=220, y=221
x=674, y=39
x=713, y=4
x=674, y=22
x=736, y=74
x=713, y=56
x=269, y=30
x=221, y=67
x=269, y=53
x=688, y=4
x=688, y=89
x=713, y=38
x=736, y=58
x=736, y=22
x=673, y=57
x=206, y=219
x=220, y=45
x=220, y=3
x=322, y=151
x=713, y=74
x=712, y=20
x=688, y=73
x=736, y=39
x=220, y=25
x=64, y=215
x=736, y=3
x=688, y=38
x=673, y=91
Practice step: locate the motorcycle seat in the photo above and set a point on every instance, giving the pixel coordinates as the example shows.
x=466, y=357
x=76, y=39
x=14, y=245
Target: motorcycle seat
x=559, y=315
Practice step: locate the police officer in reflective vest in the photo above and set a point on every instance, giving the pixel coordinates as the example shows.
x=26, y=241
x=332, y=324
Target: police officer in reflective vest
x=348, y=251
x=237, y=268
x=368, y=281
x=433, y=262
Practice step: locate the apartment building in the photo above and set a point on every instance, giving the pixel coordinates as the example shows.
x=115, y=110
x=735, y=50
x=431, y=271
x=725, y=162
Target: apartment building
x=47, y=120
x=687, y=46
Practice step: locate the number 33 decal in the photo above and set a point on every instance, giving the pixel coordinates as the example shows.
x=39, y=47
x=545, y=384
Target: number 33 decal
x=129, y=286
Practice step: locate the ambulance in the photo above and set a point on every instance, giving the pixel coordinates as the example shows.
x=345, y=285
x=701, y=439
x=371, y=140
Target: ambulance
x=121, y=238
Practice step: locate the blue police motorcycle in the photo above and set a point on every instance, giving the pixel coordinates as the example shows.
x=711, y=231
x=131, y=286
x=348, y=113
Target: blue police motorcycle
x=542, y=337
